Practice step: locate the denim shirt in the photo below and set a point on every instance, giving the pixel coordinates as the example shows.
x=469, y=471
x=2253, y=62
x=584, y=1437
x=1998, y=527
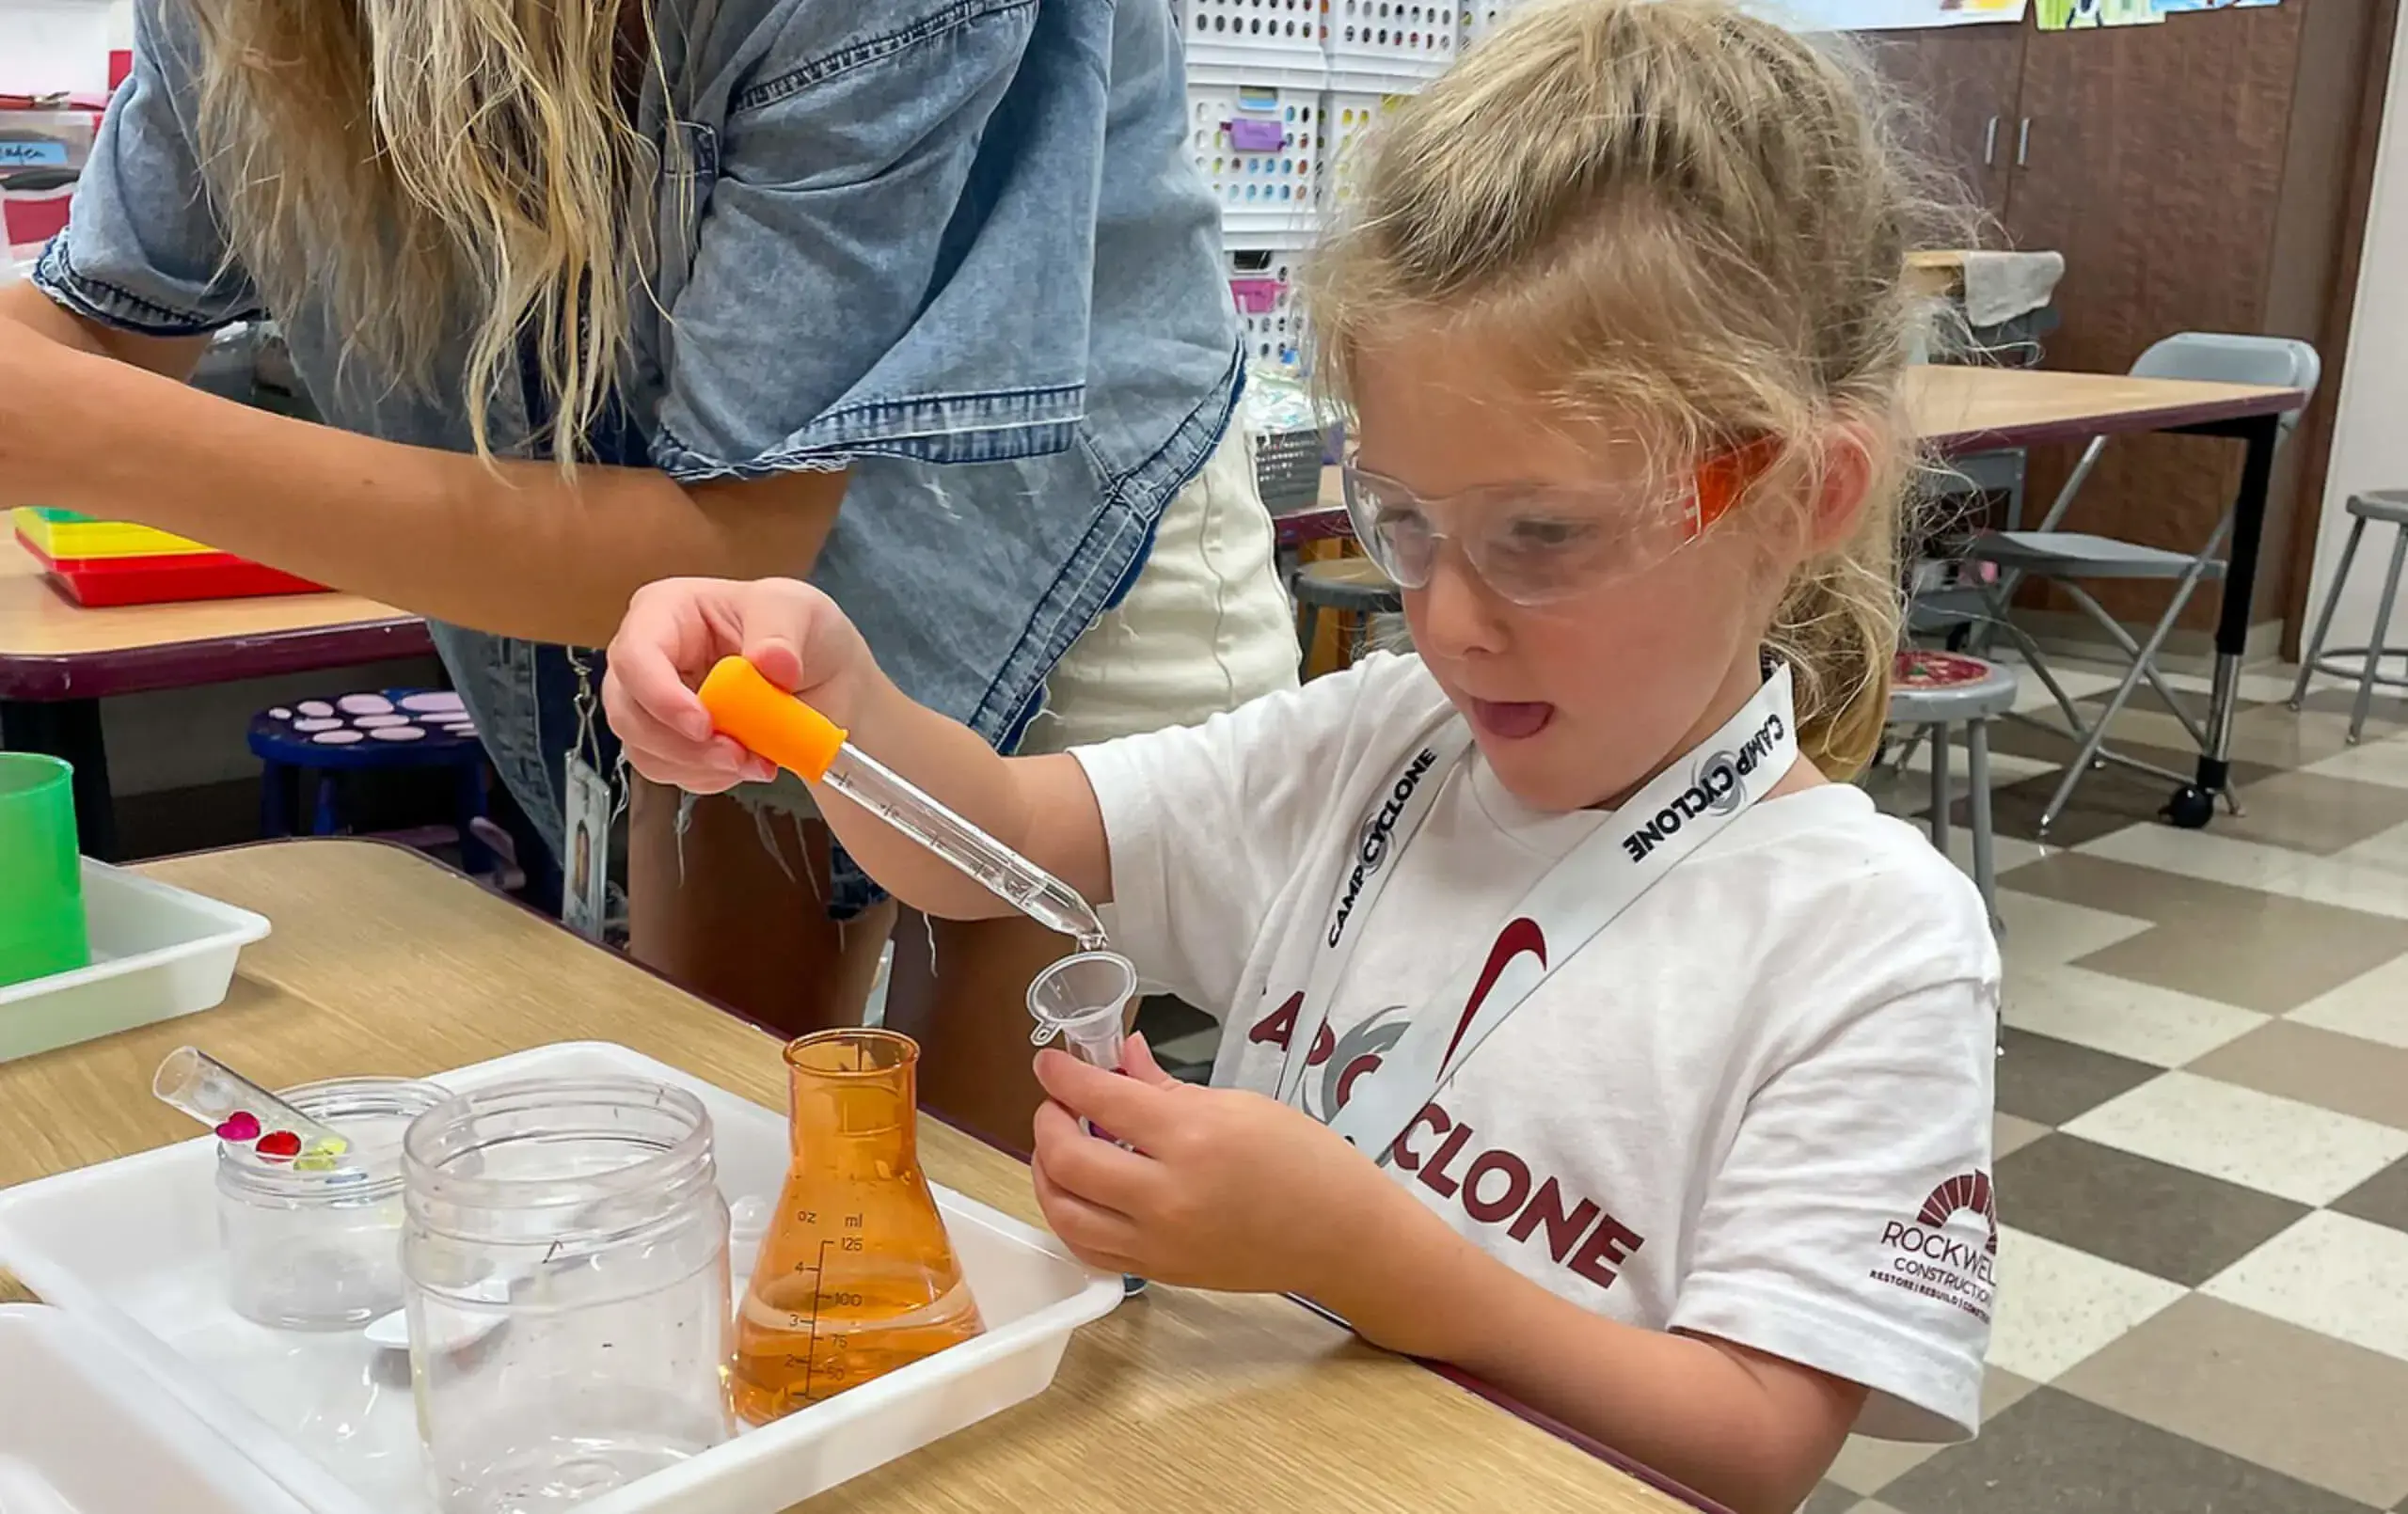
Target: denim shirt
x=953, y=245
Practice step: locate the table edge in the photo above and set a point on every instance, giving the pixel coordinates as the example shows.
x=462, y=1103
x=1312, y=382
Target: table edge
x=1496, y=1397
x=2082, y=428
x=51, y=677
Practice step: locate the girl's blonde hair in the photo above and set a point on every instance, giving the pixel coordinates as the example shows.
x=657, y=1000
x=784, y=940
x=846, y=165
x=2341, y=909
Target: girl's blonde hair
x=1685, y=217
x=429, y=166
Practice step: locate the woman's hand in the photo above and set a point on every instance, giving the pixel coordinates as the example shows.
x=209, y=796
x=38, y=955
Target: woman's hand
x=676, y=629
x=1227, y=1189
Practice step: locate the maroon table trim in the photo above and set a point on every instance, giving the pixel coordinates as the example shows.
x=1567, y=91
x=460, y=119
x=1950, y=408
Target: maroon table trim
x=188, y=664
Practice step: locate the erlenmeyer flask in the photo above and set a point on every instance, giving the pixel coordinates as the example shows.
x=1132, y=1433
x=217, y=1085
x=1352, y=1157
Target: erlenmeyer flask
x=856, y=1276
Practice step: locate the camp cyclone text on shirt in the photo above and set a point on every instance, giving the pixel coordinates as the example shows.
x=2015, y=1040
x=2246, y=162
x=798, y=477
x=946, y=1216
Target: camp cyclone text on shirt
x=1757, y=1105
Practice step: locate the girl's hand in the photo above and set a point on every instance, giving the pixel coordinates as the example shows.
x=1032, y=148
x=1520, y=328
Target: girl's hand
x=676, y=629
x=1227, y=1189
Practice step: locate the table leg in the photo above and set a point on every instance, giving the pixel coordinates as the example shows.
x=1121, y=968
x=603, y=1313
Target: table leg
x=69, y=729
x=2194, y=805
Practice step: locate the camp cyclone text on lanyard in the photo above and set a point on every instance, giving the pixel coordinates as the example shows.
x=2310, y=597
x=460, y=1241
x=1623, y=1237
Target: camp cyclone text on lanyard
x=1692, y=801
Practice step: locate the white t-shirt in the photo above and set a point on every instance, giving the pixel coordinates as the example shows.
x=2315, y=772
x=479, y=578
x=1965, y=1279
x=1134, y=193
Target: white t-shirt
x=1756, y=1107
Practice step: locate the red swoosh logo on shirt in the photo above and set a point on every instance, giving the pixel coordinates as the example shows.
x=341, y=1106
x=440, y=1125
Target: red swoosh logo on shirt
x=1519, y=937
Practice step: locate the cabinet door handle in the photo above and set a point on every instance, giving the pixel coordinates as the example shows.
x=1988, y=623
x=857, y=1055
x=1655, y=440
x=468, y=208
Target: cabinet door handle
x=1990, y=143
x=2023, y=142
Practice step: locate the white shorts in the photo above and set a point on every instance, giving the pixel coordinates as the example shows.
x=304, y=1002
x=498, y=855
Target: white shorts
x=1206, y=627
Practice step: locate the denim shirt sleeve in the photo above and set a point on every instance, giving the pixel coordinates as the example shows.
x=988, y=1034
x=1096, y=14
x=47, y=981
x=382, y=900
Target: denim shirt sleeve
x=143, y=250
x=849, y=292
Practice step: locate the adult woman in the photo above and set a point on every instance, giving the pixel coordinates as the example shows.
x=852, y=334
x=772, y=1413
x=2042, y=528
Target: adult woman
x=600, y=293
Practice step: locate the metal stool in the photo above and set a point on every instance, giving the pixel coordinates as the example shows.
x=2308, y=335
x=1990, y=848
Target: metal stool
x=1932, y=691
x=2389, y=506
x=1350, y=586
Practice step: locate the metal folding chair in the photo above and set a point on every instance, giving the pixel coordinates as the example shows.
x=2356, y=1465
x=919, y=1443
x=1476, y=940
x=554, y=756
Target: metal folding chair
x=2069, y=557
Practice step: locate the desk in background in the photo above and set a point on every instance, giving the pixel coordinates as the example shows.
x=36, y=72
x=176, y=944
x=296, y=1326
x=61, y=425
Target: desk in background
x=58, y=661
x=383, y=962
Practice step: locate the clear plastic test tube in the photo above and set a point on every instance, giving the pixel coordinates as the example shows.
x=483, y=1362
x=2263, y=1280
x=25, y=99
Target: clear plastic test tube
x=772, y=723
x=242, y=1112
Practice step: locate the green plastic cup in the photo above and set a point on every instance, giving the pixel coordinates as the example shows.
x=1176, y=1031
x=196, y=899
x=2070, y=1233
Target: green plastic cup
x=41, y=879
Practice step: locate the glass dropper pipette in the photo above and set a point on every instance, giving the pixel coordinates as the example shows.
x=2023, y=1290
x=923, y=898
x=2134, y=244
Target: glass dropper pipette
x=774, y=724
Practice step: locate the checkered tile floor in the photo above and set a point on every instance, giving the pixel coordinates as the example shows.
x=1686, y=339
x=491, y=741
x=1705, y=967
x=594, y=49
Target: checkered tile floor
x=2202, y=1135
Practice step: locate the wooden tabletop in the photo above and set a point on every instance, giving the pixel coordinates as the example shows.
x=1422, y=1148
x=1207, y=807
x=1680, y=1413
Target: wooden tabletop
x=383, y=963
x=53, y=649
x=1962, y=409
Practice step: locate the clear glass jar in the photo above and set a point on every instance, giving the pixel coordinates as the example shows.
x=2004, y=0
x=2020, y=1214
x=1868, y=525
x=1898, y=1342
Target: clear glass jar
x=323, y=1250
x=567, y=1259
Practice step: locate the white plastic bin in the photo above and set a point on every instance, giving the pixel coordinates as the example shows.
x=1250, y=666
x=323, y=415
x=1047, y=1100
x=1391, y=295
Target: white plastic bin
x=130, y=1246
x=158, y=952
x=1257, y=140
x=1348, y=118
x=1263, y=284
x=82, y=1431
x=1242, y=34
x=1391, y=45
x=1479, y=20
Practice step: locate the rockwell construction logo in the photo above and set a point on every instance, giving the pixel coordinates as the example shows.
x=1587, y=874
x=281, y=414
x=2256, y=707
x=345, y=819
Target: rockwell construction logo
x=1719, y=787
x=1372, y=846
x=1949, y=1250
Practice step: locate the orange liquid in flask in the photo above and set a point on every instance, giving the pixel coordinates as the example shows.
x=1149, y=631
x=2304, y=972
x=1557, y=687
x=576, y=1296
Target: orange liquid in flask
x=856, y=1276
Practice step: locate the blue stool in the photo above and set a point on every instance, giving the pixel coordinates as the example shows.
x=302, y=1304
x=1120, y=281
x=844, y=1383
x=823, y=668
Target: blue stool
x=387, y=730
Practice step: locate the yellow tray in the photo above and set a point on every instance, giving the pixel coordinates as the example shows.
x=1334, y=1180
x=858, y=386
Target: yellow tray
x=62, y=535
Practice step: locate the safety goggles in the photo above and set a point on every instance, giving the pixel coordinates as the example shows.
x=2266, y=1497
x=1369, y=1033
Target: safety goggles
x=1537, y=543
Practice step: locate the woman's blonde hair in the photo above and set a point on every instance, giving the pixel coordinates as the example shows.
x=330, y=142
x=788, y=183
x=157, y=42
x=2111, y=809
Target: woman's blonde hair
x=425, y=167
x=1683, y=216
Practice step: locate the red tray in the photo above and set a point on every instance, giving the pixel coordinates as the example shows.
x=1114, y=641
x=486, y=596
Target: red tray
x=96, y=583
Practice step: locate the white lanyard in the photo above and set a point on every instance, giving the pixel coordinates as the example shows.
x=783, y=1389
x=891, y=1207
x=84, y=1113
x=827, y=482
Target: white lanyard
x=1683, y=806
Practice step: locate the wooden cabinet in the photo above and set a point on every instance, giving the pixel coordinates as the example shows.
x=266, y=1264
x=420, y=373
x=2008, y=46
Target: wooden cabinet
x=2196, y=175
x=1962, y=85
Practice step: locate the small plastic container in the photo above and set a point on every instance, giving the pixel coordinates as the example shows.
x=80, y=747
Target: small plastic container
x=323, y=1250
x=158, y=952
x=568, y=1279
x=41, y=887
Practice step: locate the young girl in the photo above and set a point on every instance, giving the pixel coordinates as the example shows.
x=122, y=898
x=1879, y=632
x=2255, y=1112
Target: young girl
x=1582, y=1032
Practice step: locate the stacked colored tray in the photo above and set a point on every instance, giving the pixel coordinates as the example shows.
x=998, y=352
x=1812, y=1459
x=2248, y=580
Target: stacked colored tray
x=62, y=535
x=103, y=563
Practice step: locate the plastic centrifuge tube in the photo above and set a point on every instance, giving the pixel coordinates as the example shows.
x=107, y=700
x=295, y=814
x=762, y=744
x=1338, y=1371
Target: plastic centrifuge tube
x=1084, y=999
x=776, y=725
x=242, y=1112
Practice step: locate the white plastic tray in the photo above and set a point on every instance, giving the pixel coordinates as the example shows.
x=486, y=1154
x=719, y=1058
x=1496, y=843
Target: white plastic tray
x=82, y=1433
x=131, y=1246
x=158, y=952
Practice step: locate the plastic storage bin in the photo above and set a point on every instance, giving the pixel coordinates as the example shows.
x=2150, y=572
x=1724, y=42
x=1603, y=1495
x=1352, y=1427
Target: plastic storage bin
x=129, y=1246
x=1348, y=116
x=84, y=1431
x=1244, y=34
x=1258, y=140
x=59, y=139
x=1262, y=285
x=157, y=952
x=1388, y=45
x=1479, y=20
